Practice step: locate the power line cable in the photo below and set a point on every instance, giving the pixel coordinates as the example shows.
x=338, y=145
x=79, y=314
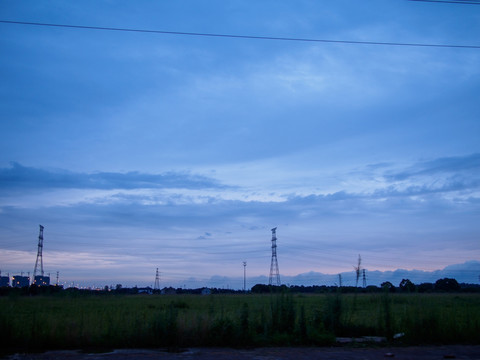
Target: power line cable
x=251, y=37
x=451, y=2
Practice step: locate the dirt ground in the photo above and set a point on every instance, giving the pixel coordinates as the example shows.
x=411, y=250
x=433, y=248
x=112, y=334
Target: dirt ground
x=342, y=353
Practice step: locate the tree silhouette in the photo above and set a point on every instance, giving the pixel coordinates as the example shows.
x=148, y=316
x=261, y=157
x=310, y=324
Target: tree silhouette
x=447, y=284
x=407, y=286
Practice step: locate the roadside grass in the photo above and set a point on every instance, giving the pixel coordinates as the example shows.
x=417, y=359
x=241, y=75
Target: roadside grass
x=251, y=320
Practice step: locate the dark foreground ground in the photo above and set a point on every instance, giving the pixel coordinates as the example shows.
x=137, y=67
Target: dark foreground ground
x=344, y=353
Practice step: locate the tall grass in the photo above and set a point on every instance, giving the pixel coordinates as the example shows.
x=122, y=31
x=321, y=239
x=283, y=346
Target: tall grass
x=175, y=321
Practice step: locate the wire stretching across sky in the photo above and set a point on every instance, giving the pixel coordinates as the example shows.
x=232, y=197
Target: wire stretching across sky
x=462, y=2
x=251, y=37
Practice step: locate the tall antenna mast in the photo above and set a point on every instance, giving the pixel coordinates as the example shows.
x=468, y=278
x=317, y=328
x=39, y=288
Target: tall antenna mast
x=274, y=278
x=39, y=254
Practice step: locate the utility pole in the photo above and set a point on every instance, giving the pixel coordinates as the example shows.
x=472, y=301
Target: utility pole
x=274, y=278
x=244, y=276
x=364, y=279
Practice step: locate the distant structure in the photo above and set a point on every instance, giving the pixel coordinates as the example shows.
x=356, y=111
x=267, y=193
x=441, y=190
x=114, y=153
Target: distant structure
x=156, y=287
x=40, y=280
x=206, y=291
x=364, y=279
x=145, y=290
x=274, y=278
x=4, y=280
x=20, y=281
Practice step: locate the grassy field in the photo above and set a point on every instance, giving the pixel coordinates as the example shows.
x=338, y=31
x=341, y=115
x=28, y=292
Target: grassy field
x=172, y=321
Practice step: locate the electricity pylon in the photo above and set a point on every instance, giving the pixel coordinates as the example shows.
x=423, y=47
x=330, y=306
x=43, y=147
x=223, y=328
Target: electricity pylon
x=157, y=282
x=274, y=278
x=39, y=255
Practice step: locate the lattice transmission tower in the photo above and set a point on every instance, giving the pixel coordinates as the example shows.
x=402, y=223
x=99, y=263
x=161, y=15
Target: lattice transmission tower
x=39, y=255
x=157, y=282
x=274, y=278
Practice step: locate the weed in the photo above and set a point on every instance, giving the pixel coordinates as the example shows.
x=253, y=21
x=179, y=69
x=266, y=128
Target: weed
x=174, y=321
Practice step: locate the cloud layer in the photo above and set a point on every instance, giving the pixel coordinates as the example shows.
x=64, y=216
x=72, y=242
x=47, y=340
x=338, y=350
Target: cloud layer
x=25, y=178
x=392, y=219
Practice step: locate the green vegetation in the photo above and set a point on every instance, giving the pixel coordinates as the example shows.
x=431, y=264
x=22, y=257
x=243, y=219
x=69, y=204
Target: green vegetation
x=240, y=320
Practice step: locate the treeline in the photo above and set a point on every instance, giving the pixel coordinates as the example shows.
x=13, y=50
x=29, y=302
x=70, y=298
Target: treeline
x=33, y=290
x=405, y=286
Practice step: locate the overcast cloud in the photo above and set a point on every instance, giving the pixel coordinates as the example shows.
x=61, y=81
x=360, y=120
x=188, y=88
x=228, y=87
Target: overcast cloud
x=142, y=150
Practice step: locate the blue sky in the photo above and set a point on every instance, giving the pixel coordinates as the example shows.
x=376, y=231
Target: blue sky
x=146, y=150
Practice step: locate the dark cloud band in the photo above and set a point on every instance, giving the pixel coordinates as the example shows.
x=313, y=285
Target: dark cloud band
x=18, y=176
